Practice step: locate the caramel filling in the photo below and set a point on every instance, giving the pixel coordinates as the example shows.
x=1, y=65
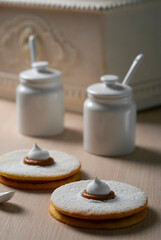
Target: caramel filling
x=38, y=162
x=98, y=197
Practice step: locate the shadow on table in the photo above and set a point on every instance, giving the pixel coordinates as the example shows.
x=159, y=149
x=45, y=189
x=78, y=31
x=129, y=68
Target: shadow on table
x=143, y=156
x=85, y=175
x=12, y=208
x=150, y=116
x=149, y=222
x=37, y=192
x=68, y=135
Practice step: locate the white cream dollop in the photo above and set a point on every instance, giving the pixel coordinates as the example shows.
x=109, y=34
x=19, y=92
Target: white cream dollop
x=98, y=187
x=37, y=153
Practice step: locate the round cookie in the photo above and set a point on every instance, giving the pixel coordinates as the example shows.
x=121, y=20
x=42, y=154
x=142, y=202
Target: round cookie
x=38, y=185
x=105, y=224
x=68, y=200
x=13, y=167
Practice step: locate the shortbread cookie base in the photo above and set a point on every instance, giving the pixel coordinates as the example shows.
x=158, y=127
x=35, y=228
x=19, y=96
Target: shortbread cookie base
x=69, y=201
x=105, y=224
x=13, y=167
x=39, y=186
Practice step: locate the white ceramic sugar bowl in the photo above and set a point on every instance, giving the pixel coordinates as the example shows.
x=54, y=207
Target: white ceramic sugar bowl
x=109, y=118
x=40, y=100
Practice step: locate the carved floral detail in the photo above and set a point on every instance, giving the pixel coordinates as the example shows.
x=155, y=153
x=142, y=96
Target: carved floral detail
x=51, y=44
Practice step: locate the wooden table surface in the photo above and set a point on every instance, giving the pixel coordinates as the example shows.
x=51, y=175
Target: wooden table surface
x=26, y=215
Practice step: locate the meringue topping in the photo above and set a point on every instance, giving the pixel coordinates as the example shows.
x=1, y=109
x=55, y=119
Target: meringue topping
x=98, y=190
x=37, y=153
x=38, y=156
x=98, y=187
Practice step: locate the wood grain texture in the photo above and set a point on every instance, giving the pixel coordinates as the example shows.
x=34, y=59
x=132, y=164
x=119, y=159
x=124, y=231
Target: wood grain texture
x=26, y=215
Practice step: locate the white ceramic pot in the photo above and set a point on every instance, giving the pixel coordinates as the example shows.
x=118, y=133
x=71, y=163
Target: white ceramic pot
x=40, y=101
x=109, y=118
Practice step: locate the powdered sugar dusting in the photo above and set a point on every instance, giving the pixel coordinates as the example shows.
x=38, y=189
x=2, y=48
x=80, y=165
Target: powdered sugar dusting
x=12, y=164
x=69, y=198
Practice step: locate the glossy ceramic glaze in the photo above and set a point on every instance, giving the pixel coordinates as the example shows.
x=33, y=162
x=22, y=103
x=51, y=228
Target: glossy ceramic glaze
x=5, y=196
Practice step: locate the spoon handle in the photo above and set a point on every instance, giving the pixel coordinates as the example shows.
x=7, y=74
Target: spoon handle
x=32, y=45
x=136, y=63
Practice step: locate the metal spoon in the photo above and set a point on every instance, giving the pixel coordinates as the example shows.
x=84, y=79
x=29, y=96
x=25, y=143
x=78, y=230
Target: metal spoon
x=136, y=63
x=5, y=196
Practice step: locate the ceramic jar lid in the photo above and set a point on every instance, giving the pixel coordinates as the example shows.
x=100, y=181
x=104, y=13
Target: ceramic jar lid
x=40, y=73
x=109, y=88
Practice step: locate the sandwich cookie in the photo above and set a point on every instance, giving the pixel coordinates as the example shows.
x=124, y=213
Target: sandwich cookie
x=98, y=204
x=38, y=168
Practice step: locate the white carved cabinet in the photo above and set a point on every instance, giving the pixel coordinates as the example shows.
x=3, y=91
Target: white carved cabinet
x=84, y=40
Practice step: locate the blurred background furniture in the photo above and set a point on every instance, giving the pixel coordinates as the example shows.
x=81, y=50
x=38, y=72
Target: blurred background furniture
x=84, y=40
